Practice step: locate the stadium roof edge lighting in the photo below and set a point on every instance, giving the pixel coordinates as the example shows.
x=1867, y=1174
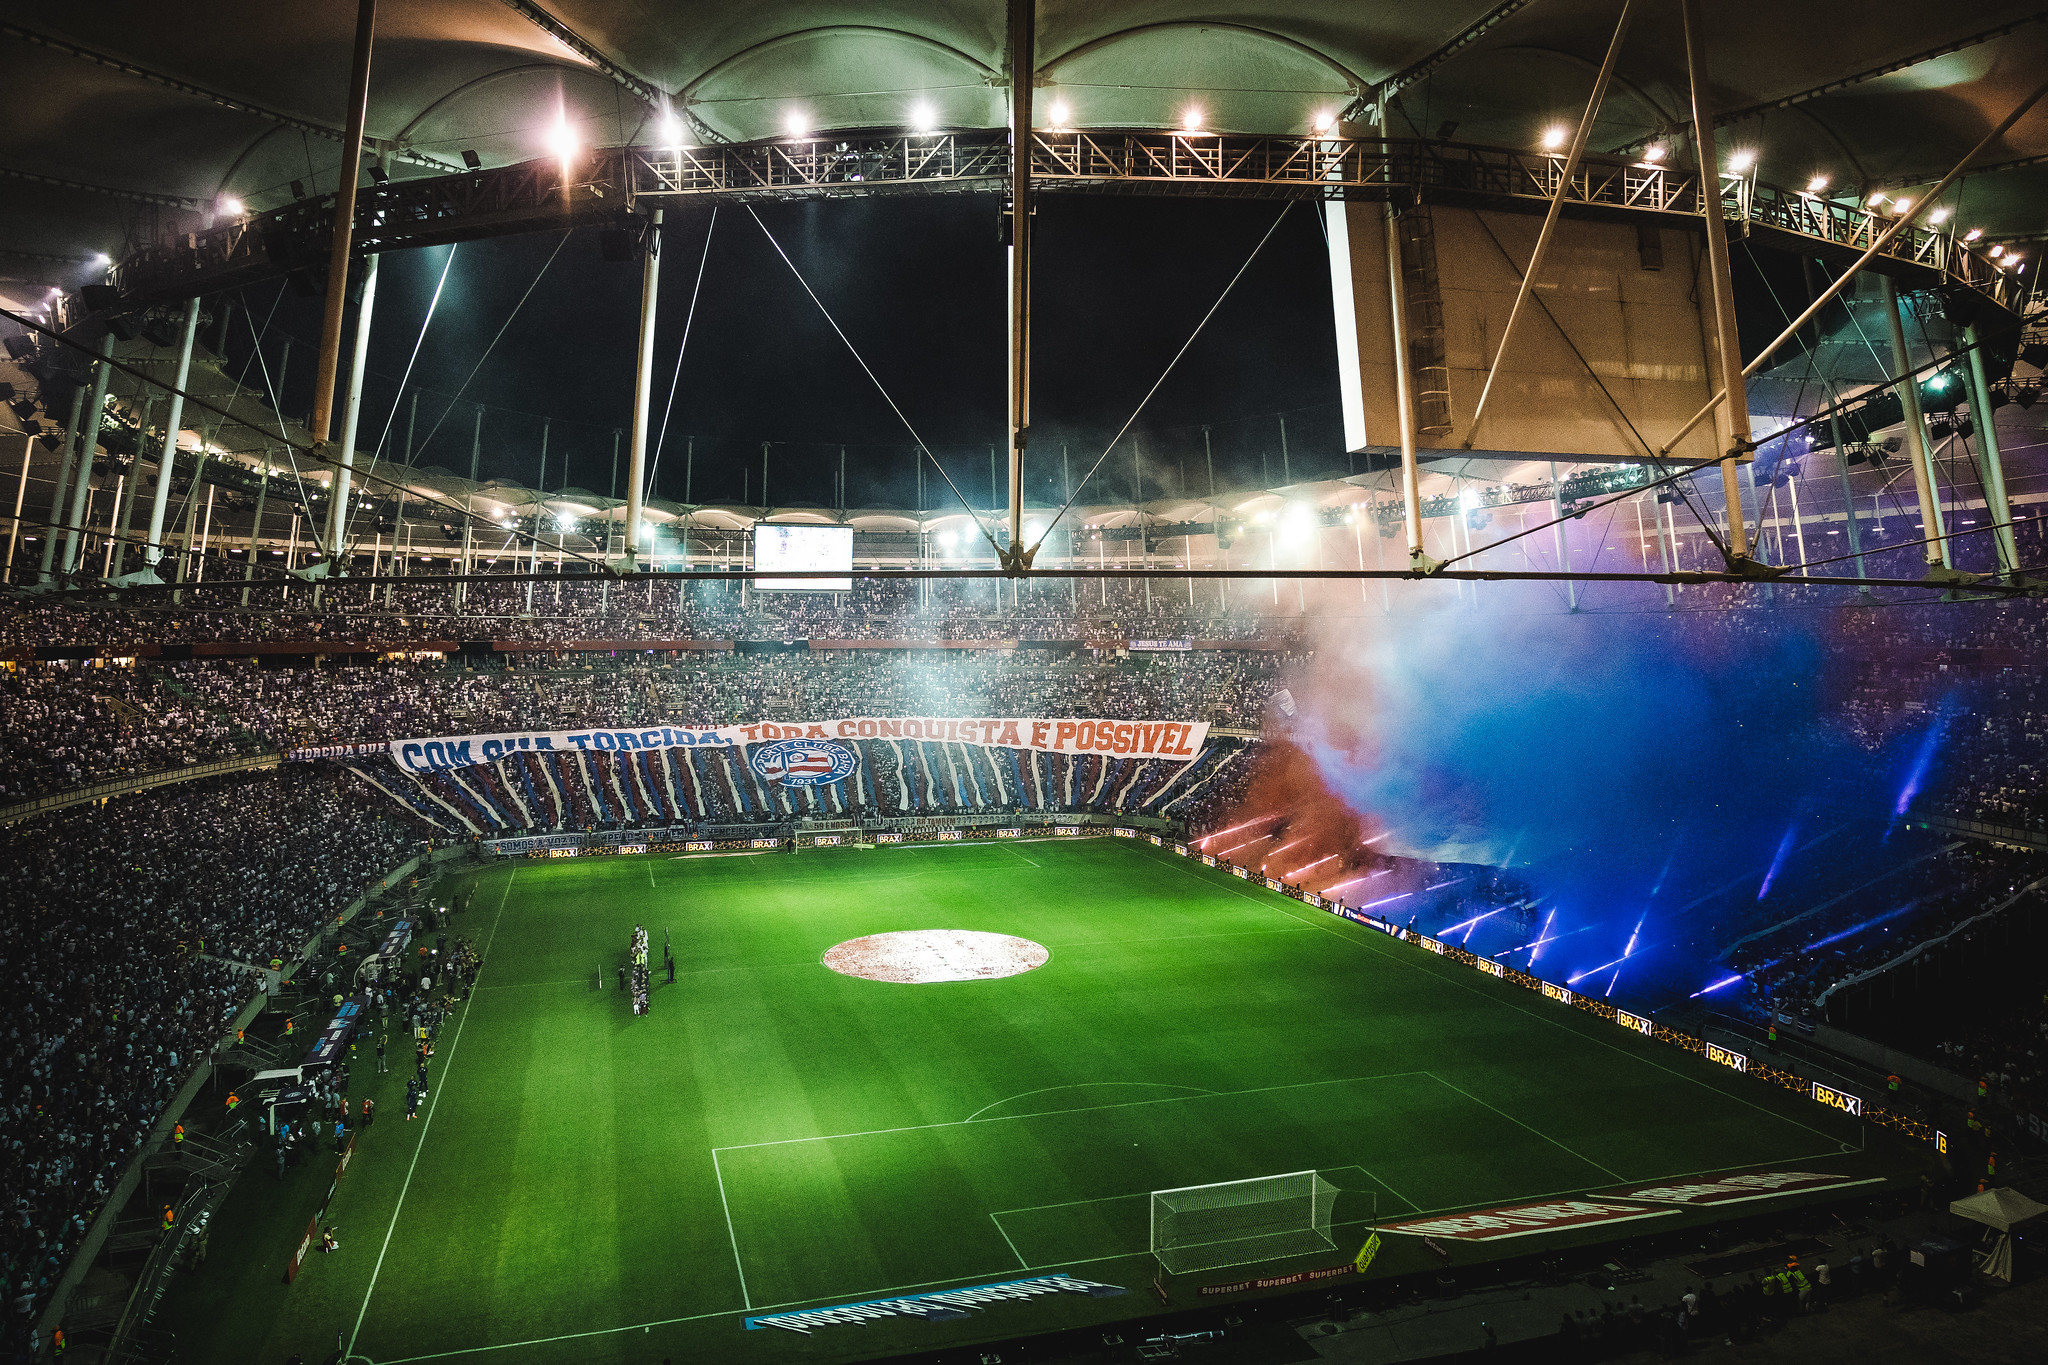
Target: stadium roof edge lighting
x=1143, y=65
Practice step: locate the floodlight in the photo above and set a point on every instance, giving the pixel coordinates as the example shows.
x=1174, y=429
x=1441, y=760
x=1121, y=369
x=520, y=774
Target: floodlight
x=1876, y=199
x=378, y=175
x=1973, y=234
x=1740, y=161
x=470, y=159
x=1939, y=216
x=99, y=260
x=1655, y=152
x=1554, y=137
x=1900, y=206
x=672, y=132
x=1996, y=252
x=562, y=140
x=923, y=119
x=948, y=539
x=1817, y=184
x=1191, y=120
x=298, y=190
x=796, y=124
x=1325, y=121
x=1059, y=112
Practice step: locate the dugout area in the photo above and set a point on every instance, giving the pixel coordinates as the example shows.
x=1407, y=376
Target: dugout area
x=585, y=1184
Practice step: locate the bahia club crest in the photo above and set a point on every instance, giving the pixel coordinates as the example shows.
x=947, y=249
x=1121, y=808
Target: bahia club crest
x=804, y=762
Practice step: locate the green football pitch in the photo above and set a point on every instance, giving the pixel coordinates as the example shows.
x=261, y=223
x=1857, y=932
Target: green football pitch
x=587, y=1185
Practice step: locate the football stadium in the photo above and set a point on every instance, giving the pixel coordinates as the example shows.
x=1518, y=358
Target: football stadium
x=1011, y=682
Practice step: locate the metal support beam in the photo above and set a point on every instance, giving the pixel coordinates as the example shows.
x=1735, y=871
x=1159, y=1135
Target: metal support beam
x=1917, y=453
x=1465, y=37
x=47, y=561
x=1728, y=348
x=153, y=550
x=643, y=391
x=200, y=92
x=1999, y=506
x=88, y=442
x=351, y=415
x=344, y=224
x=1023, y=62
x=1565, y=175
x=1879, y=247
x=1404, y=411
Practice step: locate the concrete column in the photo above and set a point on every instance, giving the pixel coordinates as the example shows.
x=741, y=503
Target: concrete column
x=643, y=388
x=153, y=550
x=1935, y=552
x=351, y=414
x=2000, y=508
x=88, y=442
x=47, y=560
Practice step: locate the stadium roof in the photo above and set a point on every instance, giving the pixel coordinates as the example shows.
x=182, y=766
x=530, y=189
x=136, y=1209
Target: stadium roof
x=129, y=119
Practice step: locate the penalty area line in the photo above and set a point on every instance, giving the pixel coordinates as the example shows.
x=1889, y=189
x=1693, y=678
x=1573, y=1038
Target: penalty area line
x=446, y=1067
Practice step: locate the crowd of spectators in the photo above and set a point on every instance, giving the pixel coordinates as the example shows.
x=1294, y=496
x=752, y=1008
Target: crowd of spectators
x=71, y=724
x=126, y=953
x=579, y=609
x=1790, y=970
x=230, y=706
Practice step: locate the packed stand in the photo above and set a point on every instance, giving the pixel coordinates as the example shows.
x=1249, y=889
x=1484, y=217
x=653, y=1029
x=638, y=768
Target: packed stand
x=126, y=923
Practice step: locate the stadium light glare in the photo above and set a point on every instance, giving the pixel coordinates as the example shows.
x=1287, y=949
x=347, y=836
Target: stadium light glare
x=1191, y=119
x=1816, y=184
x=923, y=118
x=1324, y=122
x=1554, y=137
x=796, y=124
x=1900, y=206
x=1973, y=234
x=562, y=140
x=232, y=206
x=672, y=132
x=1741, y=160
x=99, y=260
x=1938, y=216
x=1876, y=199
x=1060, y=112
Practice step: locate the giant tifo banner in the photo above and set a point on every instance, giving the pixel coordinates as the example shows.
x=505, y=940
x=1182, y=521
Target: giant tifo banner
x=1170, y=739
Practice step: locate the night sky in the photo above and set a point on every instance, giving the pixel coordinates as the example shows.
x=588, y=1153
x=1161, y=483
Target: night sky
x=918, y=284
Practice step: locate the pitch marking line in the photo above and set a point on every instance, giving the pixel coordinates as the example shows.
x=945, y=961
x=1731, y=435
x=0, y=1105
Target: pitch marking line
x=1082, y=1085
x=1364, y=939
x=895, y=1290
x=746, y=1296
x=997, y=1219
x=1580, y=1156
x=426, y=1128
x=1088, y=1109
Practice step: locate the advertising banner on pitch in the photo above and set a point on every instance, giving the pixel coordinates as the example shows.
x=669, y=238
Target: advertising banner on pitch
x=1167, y=739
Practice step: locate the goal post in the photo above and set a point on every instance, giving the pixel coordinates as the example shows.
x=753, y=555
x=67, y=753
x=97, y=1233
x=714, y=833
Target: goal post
x=1241, y=1222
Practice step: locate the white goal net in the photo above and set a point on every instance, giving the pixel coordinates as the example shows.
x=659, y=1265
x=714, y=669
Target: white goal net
x=1239, y=1222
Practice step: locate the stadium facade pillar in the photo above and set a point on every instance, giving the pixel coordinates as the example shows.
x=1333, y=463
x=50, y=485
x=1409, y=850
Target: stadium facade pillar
x=56, y=517
x=351, y=417
x=153, y=550
x=88, y=442
x=1994, y=466
x=1935, y=552
x=28, y=450
x=255, y=530
x=1404, y=403
x=344, y=225
x=124, y=514
x=643, y=387
x=1561, y=541
x=1735, y=433
x=1023, y=27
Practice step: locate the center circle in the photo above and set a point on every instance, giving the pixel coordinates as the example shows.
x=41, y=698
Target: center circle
x=919, y=956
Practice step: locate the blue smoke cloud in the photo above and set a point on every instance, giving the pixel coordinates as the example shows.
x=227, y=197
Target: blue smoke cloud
x=1626, y=766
